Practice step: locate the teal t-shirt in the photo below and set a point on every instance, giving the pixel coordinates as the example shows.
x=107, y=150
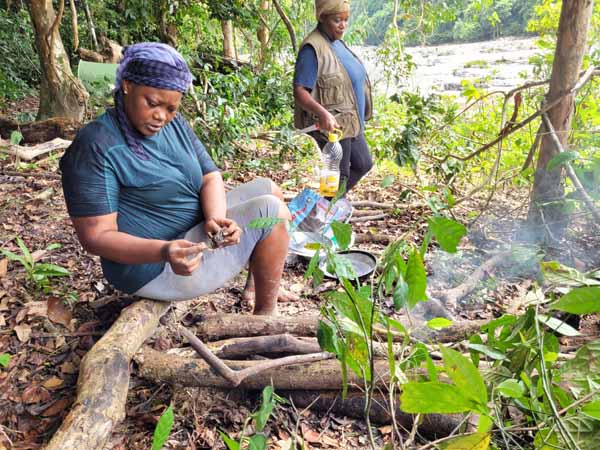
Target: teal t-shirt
x=156, y=198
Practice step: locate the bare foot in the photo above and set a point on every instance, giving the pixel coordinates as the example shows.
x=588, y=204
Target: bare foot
x=283, y=296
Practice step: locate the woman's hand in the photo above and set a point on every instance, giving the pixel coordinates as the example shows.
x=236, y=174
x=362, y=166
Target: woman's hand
x=327, y=121
x=184, y=256
x=225, y=228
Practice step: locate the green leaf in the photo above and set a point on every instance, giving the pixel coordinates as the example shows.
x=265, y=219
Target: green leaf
x=327, y=337
x=4, y=359
x=400, y=296
x=475, y=441
x=592, y=410
x=16, y=137
x=264, y=222
x=416, y=278
x=546, y=439
x=465, y=376
x=25, y=251
x=343, y=267
x=266, y=408
x=439, y=323
x=257, y=442
x=584, y=300
x=163, y=429
x=560, y=159
x=511, y=389
x=485, y=423
x=53, y=246
x=230, y=443
x=388, y=181
x=488, y=351
x=447, y=232
x=433, y=397
x=558, y=325
x=13, y=257
x=342, y=233
x=50, y=270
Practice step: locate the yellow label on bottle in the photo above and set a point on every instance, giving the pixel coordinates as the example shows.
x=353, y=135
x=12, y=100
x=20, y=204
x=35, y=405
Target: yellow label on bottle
x=329, y=183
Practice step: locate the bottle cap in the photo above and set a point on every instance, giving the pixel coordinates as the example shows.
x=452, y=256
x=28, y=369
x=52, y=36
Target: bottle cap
x=335, y=135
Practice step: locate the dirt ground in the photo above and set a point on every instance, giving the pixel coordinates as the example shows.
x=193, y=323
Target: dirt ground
x=47, y=333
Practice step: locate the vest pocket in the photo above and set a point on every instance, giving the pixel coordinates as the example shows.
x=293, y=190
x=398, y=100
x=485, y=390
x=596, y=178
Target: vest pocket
x=331, y=89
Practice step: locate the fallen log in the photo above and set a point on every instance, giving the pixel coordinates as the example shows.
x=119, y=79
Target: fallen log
x=193, y=372
x=41, y=131
x=104, y=379
x=432, y=426
x=30, y=153
x=225, y=326
x=368, y=238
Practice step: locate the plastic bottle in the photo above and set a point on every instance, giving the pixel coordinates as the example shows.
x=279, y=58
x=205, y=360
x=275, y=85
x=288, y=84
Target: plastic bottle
x=331, y=155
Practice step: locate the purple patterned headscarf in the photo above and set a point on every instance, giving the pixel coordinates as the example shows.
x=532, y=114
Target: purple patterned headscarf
x=149, y=64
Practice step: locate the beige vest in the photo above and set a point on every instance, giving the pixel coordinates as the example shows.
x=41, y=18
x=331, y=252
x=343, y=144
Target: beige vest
x=333, y=89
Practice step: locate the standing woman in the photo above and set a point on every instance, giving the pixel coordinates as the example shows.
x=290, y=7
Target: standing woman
x=331, y=88
x=145, y=196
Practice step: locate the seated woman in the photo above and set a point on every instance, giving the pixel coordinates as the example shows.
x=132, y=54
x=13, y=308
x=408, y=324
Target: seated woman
x=145, y=196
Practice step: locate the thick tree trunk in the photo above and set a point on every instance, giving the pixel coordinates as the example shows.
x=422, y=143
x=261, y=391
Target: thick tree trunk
x=104, y=379
x=61, y=94
x=228, y=47
x=546, y=216
x=263, y=31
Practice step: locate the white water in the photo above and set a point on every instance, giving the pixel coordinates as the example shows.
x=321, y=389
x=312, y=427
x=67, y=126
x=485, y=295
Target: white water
x=441, y=68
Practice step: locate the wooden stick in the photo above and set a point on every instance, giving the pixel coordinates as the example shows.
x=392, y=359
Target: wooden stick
x=367, y=218
x=235, y=377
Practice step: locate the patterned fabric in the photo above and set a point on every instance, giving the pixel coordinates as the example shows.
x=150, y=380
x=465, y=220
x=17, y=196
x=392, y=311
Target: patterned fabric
x=325, y=7
x=149, y=64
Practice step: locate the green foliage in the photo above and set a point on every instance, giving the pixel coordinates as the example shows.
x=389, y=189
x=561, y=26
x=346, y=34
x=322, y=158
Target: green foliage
x=163, y=428
x=241, y=103
x=258, y=441
x=447, y=232
x=38, y=273
x=4, y=359
x=20, y=64
x=264, y=222
x=584, y=300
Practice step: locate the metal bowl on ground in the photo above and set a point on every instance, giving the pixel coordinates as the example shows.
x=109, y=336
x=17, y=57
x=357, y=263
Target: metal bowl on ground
x=363, y=263
x=303, y=243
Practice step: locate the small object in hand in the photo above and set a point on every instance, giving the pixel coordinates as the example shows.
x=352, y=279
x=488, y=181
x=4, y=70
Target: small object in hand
x=216, y=239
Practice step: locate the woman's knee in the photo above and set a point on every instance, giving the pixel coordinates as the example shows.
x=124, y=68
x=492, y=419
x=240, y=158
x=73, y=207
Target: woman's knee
x=276, y=190
x=271, y=206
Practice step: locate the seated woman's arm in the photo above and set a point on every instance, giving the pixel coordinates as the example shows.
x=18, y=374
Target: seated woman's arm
x=214, y=207
x=100, y=236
